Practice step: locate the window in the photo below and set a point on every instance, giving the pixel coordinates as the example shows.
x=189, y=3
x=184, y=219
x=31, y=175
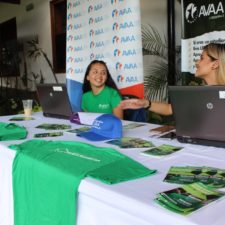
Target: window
x=9, y=59
x=58, y=23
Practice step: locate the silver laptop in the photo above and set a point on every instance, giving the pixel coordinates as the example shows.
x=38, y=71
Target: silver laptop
x=54, y=100
x=199, y=113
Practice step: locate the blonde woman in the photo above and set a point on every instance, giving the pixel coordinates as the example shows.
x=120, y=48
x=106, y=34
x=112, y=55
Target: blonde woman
x=210, y=67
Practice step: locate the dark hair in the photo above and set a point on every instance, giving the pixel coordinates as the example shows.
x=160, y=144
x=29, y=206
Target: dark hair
x=109, y=81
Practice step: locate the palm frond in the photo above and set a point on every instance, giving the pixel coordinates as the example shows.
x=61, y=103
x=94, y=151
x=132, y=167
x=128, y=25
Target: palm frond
x=152, y=42
x=35, y=51
x=155, y=82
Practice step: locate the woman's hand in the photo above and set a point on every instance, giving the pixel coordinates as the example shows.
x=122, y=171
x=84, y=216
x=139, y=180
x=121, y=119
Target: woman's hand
x=134, y=103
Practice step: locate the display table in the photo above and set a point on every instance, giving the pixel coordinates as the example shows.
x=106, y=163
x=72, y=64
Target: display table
x=126, y=203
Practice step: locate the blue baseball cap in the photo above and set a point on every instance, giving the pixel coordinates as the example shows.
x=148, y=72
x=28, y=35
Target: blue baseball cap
x=104, y=127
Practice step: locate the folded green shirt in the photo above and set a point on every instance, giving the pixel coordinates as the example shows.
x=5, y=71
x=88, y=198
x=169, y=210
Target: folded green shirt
x=47, y=174
x=12, y=131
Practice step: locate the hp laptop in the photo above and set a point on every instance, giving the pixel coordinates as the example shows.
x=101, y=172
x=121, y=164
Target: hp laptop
x=199, y=113
x=54, y=100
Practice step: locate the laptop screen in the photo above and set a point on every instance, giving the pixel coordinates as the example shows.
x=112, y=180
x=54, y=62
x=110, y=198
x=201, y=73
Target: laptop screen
x=199, y=113
x=54, y=100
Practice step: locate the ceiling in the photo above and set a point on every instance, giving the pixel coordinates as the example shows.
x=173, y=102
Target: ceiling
x=11, y=1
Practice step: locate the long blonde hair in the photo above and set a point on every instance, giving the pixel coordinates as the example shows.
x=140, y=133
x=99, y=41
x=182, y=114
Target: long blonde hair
x=217, y=52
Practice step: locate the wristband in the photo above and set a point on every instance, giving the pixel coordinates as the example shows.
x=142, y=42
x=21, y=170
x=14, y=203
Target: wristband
x=149, y=105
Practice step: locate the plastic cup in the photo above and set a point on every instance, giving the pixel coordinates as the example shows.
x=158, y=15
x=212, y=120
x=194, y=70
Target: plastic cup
x=27, y=107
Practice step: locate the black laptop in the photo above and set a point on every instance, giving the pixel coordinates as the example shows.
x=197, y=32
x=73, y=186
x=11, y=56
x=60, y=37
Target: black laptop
x=54, y=100
x=199, y=113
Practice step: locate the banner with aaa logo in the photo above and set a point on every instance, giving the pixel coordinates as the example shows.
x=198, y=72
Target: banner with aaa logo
x=203, y=22
x=109, y=31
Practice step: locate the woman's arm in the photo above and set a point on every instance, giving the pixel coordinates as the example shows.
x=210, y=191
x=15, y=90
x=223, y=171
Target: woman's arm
x=161, y=108
x=157, y=107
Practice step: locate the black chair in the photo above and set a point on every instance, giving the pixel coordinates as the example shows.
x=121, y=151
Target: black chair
x=136, y=115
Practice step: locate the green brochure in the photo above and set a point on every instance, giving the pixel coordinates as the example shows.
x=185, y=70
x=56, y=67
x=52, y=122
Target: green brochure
x=52, y=126
x=52, y=134
x=213, y=177
x=21, y=118
x=130, y=142
x=132, y=126
x=79, y=130
x=188, y=198
x=161, y=150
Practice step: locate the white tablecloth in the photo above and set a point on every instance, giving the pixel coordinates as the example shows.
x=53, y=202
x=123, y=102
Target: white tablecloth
x=127, y=203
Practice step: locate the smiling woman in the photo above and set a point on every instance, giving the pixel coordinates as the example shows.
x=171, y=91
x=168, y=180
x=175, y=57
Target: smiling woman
x=100, y=93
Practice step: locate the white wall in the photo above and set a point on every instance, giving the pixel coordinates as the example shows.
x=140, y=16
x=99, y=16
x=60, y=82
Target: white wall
x=154, y=12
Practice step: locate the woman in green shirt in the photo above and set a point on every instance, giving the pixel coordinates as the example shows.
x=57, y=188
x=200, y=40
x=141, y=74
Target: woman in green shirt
x=100, y=93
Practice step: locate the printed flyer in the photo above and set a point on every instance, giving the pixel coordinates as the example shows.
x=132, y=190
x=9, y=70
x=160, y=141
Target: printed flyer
x=78, y=130
x=188, y=198
x=52, y=126
x=213, y=177
x=132, y=126
x=161, y=150
x=21, y=118
x=53, y=134
x=130, y=142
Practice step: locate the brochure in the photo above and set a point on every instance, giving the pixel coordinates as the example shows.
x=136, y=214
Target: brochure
x=79, y=130
x=53, y=134
x=213, y=177
x=188, y=198
x=51, y=126
x=132, y=126
x=161, y=150
x=130, y=142
x=21, y=118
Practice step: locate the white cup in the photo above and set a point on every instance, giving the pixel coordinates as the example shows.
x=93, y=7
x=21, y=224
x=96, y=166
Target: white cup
x=27, y=107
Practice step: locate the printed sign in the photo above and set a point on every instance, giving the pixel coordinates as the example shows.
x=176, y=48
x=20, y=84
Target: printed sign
x=109, y=31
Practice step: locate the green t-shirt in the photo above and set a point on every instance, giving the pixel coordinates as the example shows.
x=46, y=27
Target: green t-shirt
x=12, y=131
x=47, y=174
x=104, y=102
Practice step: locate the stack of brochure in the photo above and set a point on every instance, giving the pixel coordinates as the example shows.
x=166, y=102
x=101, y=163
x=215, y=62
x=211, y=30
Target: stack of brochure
x=51, y=126
x=213, y=177
x=188, y=198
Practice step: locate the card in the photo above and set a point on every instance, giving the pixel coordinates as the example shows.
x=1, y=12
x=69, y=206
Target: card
x=161, y=150
x=49, y=126
x=132, y=126
x=21, y=118
x=79, y=130
x=53, y=134
x=130, y=142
